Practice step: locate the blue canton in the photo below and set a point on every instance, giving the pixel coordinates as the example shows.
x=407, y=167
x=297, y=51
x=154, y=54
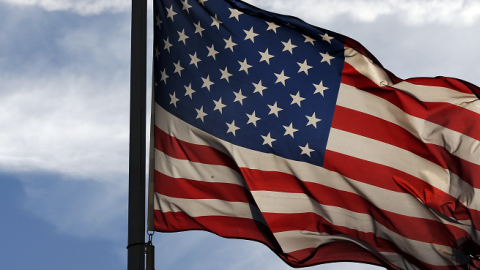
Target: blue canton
x=258, y=80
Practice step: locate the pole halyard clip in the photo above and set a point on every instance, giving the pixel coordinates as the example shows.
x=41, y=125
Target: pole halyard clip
x=150, y=252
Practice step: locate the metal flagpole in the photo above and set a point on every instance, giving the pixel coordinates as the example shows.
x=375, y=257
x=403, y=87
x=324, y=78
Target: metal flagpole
x=138, y=87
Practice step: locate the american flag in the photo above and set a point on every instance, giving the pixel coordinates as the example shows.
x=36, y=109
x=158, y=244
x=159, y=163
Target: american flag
x=270, y=129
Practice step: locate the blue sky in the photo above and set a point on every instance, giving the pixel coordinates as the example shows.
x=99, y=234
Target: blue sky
x=64, y=89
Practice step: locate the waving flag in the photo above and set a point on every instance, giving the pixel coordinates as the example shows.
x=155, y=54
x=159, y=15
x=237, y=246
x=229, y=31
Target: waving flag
x=270, y=129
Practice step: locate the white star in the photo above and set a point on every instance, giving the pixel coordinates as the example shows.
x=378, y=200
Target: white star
x=159, y=22
x=182, y=36
x=250, y=34
x=266, y=56
x=306, y=150
x=327, y=38
x=189, y=90
x=178, y=68
x=281, y=77
x=199, y=29
x=157, y=53
x=173, y=99
x=304, y=67
x=272, y=26
x=312, y=120
x=216, y=22
x=288, y=46
x=259, y=87
x=244, y=65
x=167, y=44
x=229, y=43
x=194, y=59
x=186, y=6
x=164, y=76
x=232, y=128
x=320, y=88
x=201, y=114
x=239, y=97
x=202, y=2
x=289, y=130
x=308, y=39
x=171, y=13
x=274, y=109
x=252, y=118
x=297, y=99
x=326, y=58
x=212, y=52
x=235, y=13
x=219, y=105
x=225, y=74
x=207, y=83
x=268, y=140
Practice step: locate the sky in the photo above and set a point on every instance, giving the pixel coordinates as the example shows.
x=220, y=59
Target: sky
x=64, y=119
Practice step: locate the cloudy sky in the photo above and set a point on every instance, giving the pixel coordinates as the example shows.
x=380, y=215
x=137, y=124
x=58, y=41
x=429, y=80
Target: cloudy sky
x=64, y=90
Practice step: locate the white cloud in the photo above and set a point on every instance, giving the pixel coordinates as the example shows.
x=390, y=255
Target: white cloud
x=67, y=112
x=84, y=7
x=410, y=12
x=58, y=128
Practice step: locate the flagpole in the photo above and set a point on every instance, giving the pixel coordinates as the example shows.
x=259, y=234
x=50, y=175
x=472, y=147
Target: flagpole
x=138, y=87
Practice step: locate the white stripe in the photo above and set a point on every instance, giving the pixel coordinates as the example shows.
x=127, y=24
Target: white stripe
x=439, y=94
x=207, y=207
x=385, y=154
x=174, y=126
x=366, y=67
x=385, y=198
x=179, y=168
x=308, y=173
x=458, y=144
x=394, y=157
x=246, y=158
x=292, y=203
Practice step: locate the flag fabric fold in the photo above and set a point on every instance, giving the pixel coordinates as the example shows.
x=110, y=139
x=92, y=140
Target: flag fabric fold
x=270, y=129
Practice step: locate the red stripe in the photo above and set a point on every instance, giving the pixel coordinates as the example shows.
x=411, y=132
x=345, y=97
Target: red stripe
x=426, y=230
x=445, y=82
x=459, y=119
x=188, y=151
x=229, y=227
x=395, y=180
x=378, y=129
x=355, y=168
x=315, y=223
x=375, y=128
x=466, y=170
x=248, y=229
x=340, y=252
x=190, y=189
